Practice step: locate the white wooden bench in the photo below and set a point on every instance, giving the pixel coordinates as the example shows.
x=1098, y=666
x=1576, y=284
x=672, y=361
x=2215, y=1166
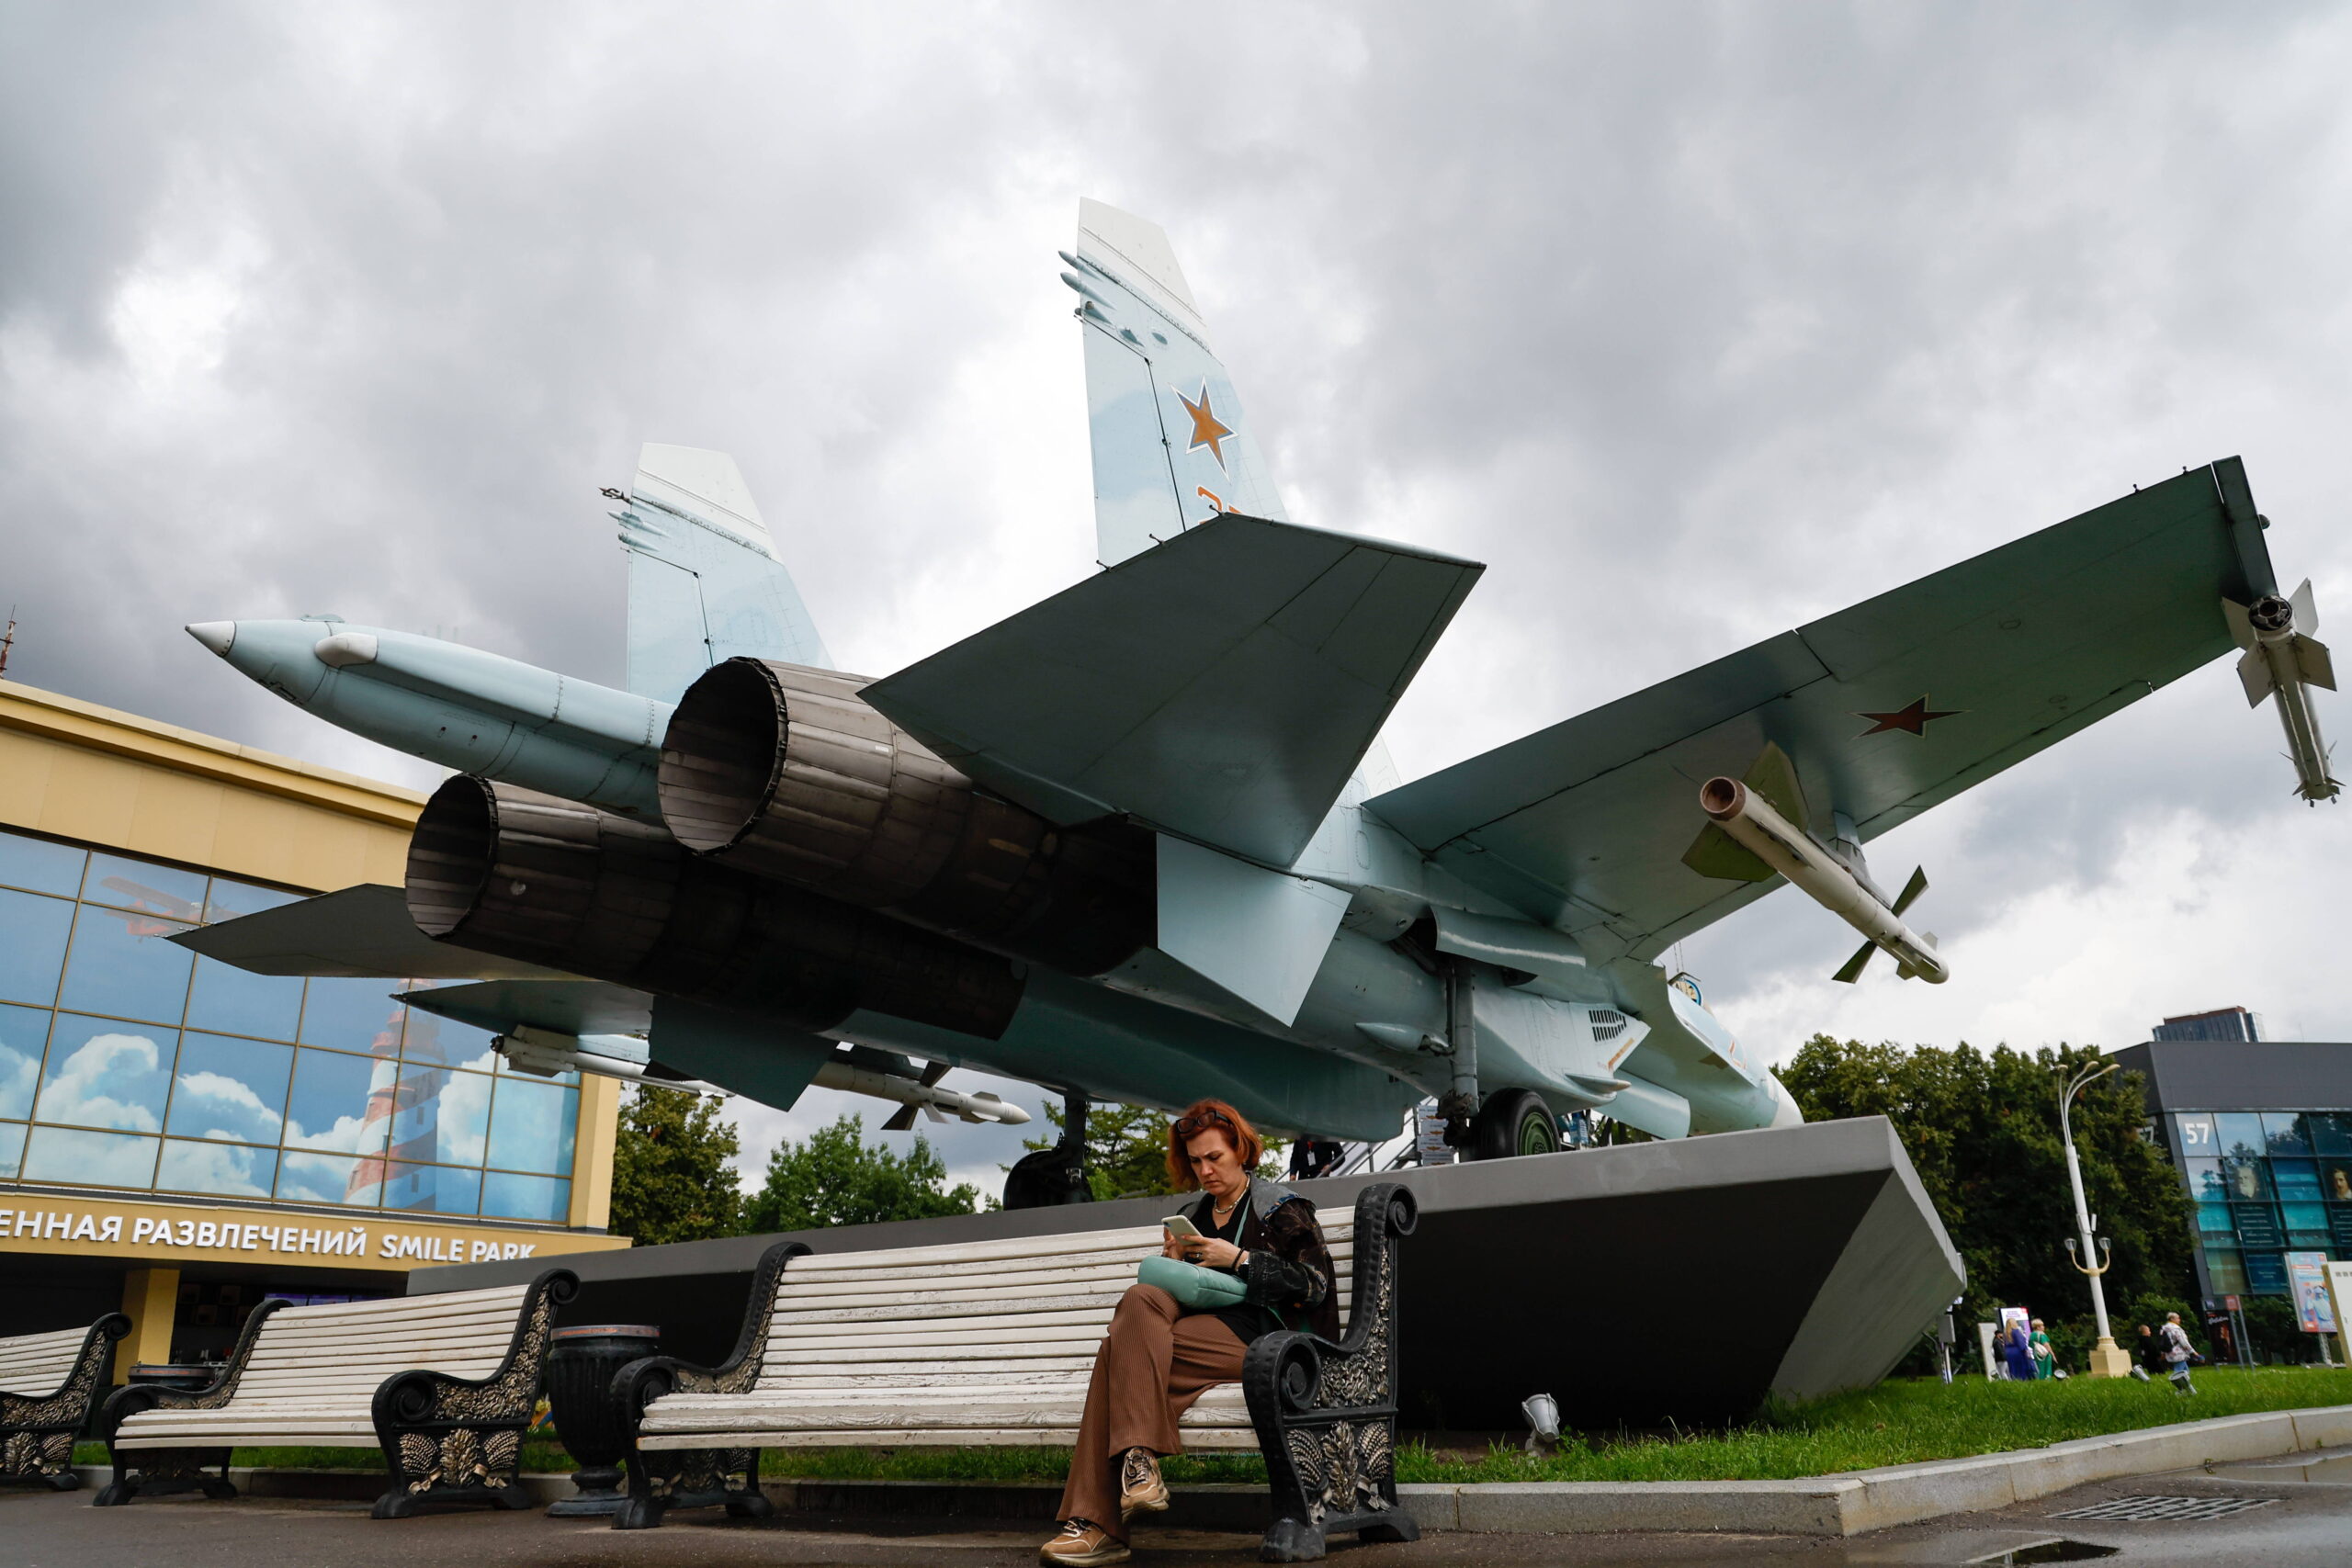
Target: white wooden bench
x=442, y=1384
x=48, y=1383
x=991, y=1344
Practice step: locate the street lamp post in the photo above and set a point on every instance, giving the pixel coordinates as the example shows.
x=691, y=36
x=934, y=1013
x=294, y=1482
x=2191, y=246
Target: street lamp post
x=2108, y=1359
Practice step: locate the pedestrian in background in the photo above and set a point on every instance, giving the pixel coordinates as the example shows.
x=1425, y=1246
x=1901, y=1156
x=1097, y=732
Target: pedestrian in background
x=2017, y=1350
x=2177, y=1354
x=2151, y=1364
x=2045, y=1360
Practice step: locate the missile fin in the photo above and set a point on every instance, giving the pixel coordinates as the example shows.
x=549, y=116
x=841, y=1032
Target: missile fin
x=1856, y=965
x=2312, y=660
x=2253, y=674
x=2241, y=623
x=2306, y=607
x=1912, y=889
x=933, y=1111
x=1774, y=777
x=900, y=1120
x=1717, y=855
x=932, y=1072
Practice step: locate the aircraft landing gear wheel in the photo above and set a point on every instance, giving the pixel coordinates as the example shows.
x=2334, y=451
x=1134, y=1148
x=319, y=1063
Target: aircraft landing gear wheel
x=1514, y=1122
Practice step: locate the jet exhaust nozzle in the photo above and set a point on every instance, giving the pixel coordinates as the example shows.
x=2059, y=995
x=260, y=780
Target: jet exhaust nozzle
x=786, y=772
x=505, y=870
x=1754, y=823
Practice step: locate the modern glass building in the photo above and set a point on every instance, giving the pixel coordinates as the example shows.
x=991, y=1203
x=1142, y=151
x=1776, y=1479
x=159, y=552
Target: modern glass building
x=2261, y=1133
x=178, y=1138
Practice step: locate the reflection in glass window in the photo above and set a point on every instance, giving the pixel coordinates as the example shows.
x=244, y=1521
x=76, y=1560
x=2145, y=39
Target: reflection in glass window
x=353, y=1015
x=305, y=1177
x=2331, y=1131
x=231, y=1088
x=12, y=1148
x=32, y=946
x=2306, y=1224
x=215, y=1168
x=332, y=1105
x=2283, y=1131
x=2213, y=1219
x=2298, y=1180
x=127, y=884
x=2336, y=1181
x=434, y=1189
x=103, y=1073
x=90, y=1159
x=121, y=964
x=228, y=998
x=42, y=866
x=460, y=1115
x=526, y=1197
x=2239, y=1132
x=532, y=1129
x=24, y=1032
x=447, y=1041
x=2206, y=1182
x=2226, y=1269
x=229, y=900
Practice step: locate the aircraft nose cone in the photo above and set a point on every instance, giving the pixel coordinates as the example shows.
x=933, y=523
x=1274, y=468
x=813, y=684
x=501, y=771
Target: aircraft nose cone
x=217, y=636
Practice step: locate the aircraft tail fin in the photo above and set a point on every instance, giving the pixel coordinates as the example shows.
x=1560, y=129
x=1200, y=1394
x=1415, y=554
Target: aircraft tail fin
x=704, y=580
x=1171, y=447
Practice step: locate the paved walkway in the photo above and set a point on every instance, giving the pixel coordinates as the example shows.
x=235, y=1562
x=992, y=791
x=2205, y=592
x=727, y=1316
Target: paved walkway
x=2308, y=1526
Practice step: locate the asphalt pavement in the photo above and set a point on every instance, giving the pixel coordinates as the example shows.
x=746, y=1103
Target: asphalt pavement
x=2297, y=1523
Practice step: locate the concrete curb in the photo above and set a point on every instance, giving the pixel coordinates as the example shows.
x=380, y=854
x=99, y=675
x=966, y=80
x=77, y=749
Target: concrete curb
x=1857, y=1501
x=1841, y=1505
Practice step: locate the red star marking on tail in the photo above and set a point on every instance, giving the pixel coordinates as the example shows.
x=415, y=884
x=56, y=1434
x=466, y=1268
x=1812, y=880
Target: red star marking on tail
x=1911, y=720
x=1207, y=430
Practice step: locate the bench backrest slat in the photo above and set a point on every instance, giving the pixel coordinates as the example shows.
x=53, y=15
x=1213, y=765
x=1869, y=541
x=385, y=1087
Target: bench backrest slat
x=341, y=1351
x=39, y=1364
x=1030, y=1310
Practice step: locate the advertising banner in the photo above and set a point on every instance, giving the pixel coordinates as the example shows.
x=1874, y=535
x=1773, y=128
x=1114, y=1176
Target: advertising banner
x=2307, y=1279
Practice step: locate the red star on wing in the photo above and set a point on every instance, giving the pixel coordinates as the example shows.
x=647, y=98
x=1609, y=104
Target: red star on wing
x=1207, y=430
x=1912, y=720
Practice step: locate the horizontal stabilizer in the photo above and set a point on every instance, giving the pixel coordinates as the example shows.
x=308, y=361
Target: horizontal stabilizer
x=577, y=1007
x=361, y=931
x=1221, y=687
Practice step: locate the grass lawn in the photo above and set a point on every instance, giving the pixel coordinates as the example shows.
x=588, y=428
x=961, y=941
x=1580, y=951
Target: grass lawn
x=1902, y=1421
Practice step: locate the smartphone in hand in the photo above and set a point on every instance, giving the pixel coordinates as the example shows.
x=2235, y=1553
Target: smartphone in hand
x=1181, y=1228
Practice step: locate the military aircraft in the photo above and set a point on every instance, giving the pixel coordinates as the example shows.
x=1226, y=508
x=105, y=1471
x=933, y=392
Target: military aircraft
x=1140, y=841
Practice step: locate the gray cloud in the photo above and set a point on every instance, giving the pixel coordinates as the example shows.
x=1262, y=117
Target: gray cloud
x=1695, y=321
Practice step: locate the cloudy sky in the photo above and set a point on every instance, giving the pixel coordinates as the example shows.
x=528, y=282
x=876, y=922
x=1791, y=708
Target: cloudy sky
x=1695, y=321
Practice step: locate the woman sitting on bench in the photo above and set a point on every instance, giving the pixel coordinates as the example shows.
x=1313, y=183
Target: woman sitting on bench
x=1160, y=1356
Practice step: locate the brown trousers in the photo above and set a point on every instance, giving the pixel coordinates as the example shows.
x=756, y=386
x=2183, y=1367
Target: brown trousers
x=1152, y=1366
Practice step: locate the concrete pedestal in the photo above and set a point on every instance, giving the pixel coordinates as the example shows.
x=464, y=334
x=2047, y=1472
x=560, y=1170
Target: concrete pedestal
x=2109, y=1360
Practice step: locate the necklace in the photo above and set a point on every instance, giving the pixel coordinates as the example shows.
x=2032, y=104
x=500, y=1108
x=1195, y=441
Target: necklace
x=1222, y=1211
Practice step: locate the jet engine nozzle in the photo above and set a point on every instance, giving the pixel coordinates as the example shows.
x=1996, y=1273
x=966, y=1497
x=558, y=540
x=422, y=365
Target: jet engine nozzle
x=504, y=870
x=786, y=772
x=2272, y=616
x=1753, y=822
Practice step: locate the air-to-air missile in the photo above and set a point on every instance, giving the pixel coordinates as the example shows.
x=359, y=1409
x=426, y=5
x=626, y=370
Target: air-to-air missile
x=2282, y=662
x=459, y=706
x=1750, y=819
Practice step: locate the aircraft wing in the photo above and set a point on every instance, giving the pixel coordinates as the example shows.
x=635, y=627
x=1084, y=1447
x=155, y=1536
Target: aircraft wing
x=1221, y=687
x=1886, y=709
x=363, y=930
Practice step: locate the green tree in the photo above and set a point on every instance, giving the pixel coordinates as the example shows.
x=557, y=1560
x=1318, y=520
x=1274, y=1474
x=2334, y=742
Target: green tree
x=836, y=1178
x=1981, y=1129
x=1126, y=1150
x=671, y=1177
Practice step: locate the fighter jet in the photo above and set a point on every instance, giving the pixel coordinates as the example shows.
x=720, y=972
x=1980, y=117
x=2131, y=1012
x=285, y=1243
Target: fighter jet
x=1141, y=841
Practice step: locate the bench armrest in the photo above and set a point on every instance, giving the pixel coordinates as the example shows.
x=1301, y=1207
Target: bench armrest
x=643, y=1381
x=422, y=1396
x=1326, y=1413
x=127, y=1402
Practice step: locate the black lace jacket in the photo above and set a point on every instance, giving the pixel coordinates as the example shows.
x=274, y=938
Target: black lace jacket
x=1289, y=1283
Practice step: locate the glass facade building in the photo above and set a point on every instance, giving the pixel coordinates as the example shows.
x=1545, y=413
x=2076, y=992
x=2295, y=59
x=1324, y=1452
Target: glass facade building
x=2261, y=1136
x=127, y=1062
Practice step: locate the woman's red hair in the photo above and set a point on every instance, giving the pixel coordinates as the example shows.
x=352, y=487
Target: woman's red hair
x=1210, y=1116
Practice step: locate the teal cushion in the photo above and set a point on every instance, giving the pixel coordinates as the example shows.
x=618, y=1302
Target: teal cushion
x=1191, y=1285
